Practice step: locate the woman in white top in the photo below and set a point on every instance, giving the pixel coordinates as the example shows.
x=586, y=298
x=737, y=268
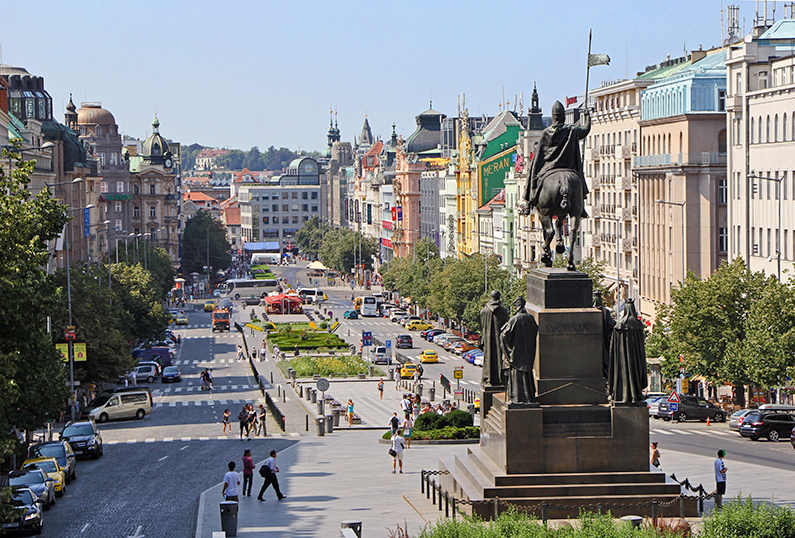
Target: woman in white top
x=408, y=428
x=397, y=446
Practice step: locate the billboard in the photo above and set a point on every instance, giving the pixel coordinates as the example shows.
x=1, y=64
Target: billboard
x=491, y=174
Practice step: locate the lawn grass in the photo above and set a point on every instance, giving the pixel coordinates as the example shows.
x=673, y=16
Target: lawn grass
x=325, y=366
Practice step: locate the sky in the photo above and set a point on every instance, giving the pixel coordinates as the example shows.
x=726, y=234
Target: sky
x=238, y=74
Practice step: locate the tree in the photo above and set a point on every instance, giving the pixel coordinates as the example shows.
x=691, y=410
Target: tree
x=32, y=377
x=195, y=247
x=232, y=160
x=253, y=160
x=341, y=247
x=310, y=237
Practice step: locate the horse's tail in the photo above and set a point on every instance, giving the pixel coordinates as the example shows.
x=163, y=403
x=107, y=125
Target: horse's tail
x=564, y=193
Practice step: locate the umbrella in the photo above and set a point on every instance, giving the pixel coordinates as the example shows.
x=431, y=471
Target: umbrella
x=317, y=265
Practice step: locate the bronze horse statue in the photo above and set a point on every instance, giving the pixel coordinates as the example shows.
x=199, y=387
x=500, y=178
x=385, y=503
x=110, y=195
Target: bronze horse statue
x=561, y=196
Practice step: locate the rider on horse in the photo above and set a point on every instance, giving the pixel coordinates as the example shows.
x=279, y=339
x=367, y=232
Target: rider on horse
x=559, y=148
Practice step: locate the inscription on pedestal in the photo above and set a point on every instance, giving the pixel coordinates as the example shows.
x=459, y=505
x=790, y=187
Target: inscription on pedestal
x=559, y=288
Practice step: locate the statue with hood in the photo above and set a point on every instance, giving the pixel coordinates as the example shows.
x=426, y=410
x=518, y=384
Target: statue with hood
x=518, y=339
x=492, y=318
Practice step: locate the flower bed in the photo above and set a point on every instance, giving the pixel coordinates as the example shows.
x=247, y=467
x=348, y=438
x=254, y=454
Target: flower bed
x=325, y=366
x=305, y=339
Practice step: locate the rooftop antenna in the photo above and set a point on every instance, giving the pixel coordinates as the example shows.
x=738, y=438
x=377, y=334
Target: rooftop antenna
x=732, y=25
x=521, y=104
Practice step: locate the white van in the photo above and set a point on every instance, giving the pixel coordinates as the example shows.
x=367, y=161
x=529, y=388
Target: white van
x=120, y=405
x=380, y=355
x=313, y=295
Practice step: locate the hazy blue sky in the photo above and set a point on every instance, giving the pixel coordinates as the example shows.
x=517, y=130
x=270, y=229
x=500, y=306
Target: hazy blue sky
x=239, y=74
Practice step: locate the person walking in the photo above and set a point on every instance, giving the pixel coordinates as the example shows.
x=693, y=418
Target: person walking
x=227, y=413
x=350, y=413
x=231, y=481
x=268, y=472
x=394, y=423
x=408, y=427
x=397, y=452
x=248, y=472
x=381, y=388
x=253, y=353
x=243, y=418
x=251, y=422
x=655, y=455
x=210, y=380
x=261, y=418
x=397, y=378
x=134, y=377
x=240, y=355
x=720, y=478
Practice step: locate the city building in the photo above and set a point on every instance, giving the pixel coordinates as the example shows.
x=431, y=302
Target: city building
x=207, y=159
x=761, y=147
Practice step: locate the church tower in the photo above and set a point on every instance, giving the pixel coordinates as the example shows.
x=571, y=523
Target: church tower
x=70, y=116
x=535, y=122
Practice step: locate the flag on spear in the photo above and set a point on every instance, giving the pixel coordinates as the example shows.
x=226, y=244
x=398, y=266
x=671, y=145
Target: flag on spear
x=598, y=59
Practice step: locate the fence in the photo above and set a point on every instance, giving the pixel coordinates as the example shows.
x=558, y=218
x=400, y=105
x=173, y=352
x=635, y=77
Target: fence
x=434, y=492
x=275, y=411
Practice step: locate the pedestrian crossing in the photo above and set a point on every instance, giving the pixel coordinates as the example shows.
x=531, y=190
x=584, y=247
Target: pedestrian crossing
x=169, y=390
x=208, y=403
x=230, y=437
x=709, y=433
x=206, y=363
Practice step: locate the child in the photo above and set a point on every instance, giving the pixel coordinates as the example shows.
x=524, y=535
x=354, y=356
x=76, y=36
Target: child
x=226, y=420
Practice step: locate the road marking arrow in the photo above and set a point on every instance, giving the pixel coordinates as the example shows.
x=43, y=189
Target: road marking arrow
x=138, y=533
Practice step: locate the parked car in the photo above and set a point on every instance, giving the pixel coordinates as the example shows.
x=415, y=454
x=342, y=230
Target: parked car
x=148, y=371
x=31, y=518
x=472, y=356
x=84, y=438
x=459, y=348
x=61, y=451
x=405, y=320
x=792, y=438
x=429, y=355
x=396, y=314
x=52, y=469
x=404, y=341
x=737, y=418
x=478, y=360
x=691, y=407
x=450, y=342
x=430, y=333
x=350, y=314
x=37, y=480
x=439, y=339
x=171, y=373
x=417, y=325
x=653, y=404
x=770, y=424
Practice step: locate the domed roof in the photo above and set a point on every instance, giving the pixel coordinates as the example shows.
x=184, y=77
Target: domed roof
x=155, y=145
x=94, y=114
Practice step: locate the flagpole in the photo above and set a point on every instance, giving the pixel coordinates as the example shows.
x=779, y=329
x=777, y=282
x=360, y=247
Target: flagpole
x=588, y=68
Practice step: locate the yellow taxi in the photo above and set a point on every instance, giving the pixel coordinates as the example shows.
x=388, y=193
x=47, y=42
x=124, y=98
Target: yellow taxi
x=53, y=470
x=418, y=325
x=209, y=306
x=407, y=371
x=429, y=355
x=181, y=319
x=477, y=402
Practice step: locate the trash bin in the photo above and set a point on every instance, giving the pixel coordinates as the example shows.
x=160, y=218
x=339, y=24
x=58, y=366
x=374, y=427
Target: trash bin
x=300, y=391
x=371, y=370
x=431, y=394
x=336, y=418
x=329, y=423
x=229, y=517
x=391, y=374
x=321, y=426
x=314, y=396
x=419, y=390
x=321, y=407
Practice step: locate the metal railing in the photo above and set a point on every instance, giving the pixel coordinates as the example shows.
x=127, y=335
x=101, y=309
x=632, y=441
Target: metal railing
x=276, y=413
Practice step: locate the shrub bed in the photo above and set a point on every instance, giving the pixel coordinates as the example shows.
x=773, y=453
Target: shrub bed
x=287, y=340
x=448, y=432
x=455, y=419
x=325, y=366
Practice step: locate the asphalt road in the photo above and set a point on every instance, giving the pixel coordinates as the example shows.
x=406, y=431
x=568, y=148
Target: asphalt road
x=149, y=480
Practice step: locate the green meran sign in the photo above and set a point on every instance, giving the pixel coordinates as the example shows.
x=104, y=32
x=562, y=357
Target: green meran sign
x=491, y=174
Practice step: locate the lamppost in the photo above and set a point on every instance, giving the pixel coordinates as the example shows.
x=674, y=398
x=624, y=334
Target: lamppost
x=71, y=351
x=684, y=250
x=778, y=231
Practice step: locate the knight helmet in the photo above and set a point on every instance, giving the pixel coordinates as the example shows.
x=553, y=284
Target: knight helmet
x=558, y=110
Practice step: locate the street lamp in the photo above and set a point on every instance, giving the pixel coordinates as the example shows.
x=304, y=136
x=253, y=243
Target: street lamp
x=682, y=207
x=778, y=232
x=71, y=351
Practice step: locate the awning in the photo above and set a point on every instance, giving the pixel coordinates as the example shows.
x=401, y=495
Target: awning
x=317, y=265
x=263, y=246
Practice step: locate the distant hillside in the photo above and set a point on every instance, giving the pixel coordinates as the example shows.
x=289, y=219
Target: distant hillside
x=255, y=160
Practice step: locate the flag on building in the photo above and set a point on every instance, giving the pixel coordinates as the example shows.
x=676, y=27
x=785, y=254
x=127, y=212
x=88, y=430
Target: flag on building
x=570, y=101
x=598, y=59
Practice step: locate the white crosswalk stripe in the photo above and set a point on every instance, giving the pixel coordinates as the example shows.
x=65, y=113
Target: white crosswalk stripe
x=662, y=432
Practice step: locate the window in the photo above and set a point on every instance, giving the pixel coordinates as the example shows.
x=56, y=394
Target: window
x=99, y=129
x=295, y=219
x=295, y=196
x=304, y=218
x=285, y=208
x=118, y=207
x=721, y=100
x=305, y=207
x=314, y=196
x=135, y=189
x=285, y=196
x=265, y=220
x=152, y=189
x=723, y=239
x=275, y=208
x=118, y=225
x=136, y=212
x=314, y=209
x=120, y=186
x=304, y=195
x=152, y=211
x=285, y=220
x=723, y=190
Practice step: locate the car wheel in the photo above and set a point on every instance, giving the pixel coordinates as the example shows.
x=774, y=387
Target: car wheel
x=103, y=417
x=150, y=379
x=655, y=417
x=772, y=435
x=754, y=438
x=682, y=417
x=666, y=419
x=140, y=414
x=60, y=493
x=45, y=506
x=37, y=530
x=720, y=417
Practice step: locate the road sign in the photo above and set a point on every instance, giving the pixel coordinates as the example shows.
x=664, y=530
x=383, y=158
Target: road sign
x=70, y=333
x=674, y=397
x=86, y=222
x=458, y=373
x=322, y=384
x=367, y=338
x=673, y=406
x=459, y=392
x=80, y=352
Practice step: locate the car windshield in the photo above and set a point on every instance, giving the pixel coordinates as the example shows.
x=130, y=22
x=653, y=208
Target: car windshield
x=22, y=498
x=26, y=479
x=78, y=429
x=98, y=401
x=50, y=451
x=740, y=413
x=47, y=466
x=752, y=417
x=171, y=370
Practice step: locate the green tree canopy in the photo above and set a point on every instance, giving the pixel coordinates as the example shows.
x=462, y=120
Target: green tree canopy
x=253, y=160
x=341, y=247
x=195, y=244
x=310, y=237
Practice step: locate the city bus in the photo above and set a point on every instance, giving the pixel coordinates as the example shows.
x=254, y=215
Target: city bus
x=369, y=307
x=238, y=287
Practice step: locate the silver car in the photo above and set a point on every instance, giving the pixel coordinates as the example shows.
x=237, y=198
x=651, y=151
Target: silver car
x=737, y=418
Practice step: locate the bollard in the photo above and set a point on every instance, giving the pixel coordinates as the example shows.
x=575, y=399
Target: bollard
x=496, y=508
x=278, y=391
x=308, y=394
x=329, y=423
x=446, y=505
x=682, y=507
x=440, y=495
x=422, y=481
x=271, y=378
x=321, y=426
x=229, y=517
x=433, y=492
x=427, y=486
x=431, y=394
x=356, y=526
x=544, y=512
x=320, y=407
x=654, y=510
x=453, y=508
x=419, y=390
x=307, y=422
x=300, y=391
x=314, y=396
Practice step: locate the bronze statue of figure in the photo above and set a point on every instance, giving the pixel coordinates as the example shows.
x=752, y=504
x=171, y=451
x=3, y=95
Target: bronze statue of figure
x=608, y=323
x=492, y=318
x=627, y=376
x=518, y=340
x=556, y=186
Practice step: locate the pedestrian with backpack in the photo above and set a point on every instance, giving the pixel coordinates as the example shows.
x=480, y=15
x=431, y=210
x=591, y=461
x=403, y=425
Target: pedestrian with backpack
x=268, y=472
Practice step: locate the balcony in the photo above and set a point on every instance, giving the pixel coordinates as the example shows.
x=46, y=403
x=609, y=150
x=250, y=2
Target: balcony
x=679, y=159
x=592, y=154
x=635, y=273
